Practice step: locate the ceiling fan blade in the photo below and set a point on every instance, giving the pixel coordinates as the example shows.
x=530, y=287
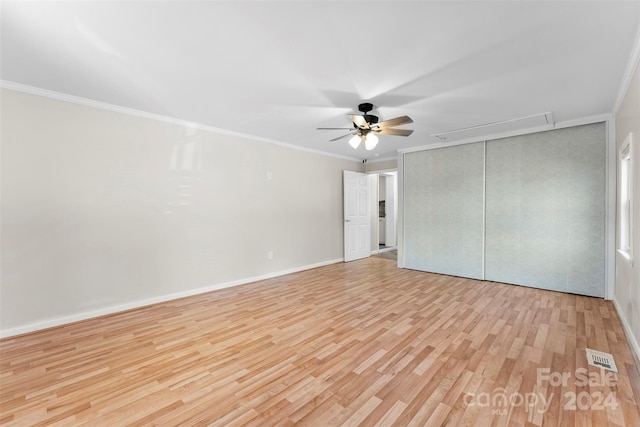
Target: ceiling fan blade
x=359, y=121
x=391, y=131
x=334, y=128
x=343, y=136
x=398, y=121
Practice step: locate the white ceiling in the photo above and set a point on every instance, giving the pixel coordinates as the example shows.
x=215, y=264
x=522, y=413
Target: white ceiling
x=278, y=70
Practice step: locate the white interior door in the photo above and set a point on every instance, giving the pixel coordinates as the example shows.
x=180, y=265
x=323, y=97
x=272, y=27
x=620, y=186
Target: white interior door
x=357, y=222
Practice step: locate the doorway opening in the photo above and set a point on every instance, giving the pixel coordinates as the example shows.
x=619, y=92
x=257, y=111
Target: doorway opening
x=384, y=210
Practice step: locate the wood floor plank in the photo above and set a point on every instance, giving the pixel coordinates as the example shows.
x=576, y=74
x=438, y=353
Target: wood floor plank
x=360, y=343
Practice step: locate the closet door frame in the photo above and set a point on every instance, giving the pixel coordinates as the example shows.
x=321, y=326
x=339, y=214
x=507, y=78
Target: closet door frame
x=610, y=190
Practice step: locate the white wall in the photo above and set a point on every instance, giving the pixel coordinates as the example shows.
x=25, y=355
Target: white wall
x=627, y=296
x=103, y=211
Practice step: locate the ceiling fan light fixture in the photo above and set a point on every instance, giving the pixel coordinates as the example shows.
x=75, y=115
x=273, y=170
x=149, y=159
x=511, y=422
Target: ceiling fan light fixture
x=366, y=127
x=355, y=141
x=370, y=141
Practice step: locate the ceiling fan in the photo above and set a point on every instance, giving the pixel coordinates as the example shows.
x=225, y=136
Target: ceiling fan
x=366, y=127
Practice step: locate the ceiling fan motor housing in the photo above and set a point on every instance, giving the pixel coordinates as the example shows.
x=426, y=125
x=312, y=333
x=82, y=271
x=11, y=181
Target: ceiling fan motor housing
x=371, y=118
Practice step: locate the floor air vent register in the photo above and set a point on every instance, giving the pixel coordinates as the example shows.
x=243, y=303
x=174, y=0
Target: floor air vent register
x=601, y=360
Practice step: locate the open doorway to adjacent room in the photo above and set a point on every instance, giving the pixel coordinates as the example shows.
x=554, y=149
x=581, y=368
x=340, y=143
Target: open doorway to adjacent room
x=384, y=210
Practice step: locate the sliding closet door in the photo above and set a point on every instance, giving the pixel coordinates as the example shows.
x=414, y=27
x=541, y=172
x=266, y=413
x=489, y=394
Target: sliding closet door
x=443, y=210
x=545, y=210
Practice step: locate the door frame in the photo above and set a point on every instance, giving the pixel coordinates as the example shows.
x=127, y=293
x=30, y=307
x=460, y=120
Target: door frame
x=374, y=198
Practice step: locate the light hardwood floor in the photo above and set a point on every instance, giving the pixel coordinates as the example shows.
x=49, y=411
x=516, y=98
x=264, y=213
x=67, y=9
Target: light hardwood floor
x=346, y=344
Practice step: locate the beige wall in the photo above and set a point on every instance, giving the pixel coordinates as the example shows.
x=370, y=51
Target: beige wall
x=103, y=211
x=628, y=276
x=385, y=165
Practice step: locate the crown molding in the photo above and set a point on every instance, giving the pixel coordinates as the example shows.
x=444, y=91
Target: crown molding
x=632, y=64
x=32, y=90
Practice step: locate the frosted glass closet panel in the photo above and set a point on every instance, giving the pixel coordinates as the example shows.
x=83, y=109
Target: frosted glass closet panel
x=443, y=210
x=545, y=210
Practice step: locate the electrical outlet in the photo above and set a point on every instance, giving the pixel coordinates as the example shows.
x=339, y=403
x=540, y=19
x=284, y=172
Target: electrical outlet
x=270, y=254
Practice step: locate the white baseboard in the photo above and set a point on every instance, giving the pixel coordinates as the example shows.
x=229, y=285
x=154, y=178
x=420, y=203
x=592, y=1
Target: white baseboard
x=379, y=251
x=389, y=249
x=633, y=343
x=63, y=320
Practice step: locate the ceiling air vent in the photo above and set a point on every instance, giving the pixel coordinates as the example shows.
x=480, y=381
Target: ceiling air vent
x=536, y=122
x=601, y=360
